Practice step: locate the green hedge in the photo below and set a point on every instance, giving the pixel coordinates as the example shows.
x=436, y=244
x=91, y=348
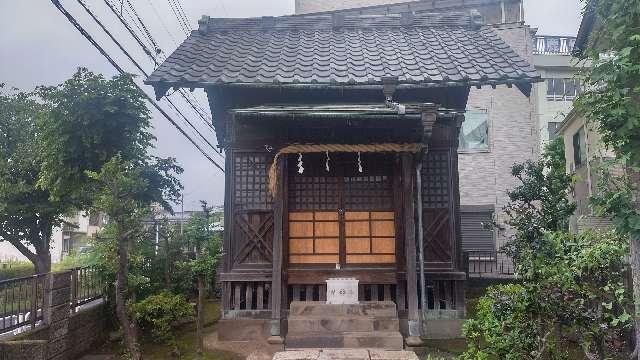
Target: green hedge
x=15, y=269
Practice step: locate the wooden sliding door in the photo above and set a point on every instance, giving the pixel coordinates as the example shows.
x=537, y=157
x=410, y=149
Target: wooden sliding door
x=341, y=217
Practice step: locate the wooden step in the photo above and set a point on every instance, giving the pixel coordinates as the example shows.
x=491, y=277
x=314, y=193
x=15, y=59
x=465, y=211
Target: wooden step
x=390, y=340
x=364, y=308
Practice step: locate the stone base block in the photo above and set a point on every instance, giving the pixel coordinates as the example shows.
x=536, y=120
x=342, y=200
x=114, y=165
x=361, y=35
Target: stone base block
x=443, y=329
x=357, y=340
x=364, y=308
x=244, y=329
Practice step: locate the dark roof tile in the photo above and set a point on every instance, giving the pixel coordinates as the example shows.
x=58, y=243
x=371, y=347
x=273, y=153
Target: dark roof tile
x=436, y=49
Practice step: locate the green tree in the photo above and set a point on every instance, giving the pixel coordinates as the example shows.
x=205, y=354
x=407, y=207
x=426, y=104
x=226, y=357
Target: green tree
x=206, y=246
x=49, y=139
x=124, y=191
x=91, y=119
x=611, y=102
x=28, y=213
x=540, y=203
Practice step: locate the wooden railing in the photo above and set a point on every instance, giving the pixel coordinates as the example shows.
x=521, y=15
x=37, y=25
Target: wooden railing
x=21, y=301
x=488, y=264
x=247, y=295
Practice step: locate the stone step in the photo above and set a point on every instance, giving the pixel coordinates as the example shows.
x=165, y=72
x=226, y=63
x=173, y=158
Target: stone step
x=364, y=308
x=345, y=354
x=300, y=324
x=390, y=340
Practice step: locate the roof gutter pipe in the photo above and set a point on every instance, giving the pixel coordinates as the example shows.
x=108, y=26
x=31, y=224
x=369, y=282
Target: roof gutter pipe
x=423, y=297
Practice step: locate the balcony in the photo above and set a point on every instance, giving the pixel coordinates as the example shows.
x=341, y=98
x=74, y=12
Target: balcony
x=553, y=45
x=488, y=265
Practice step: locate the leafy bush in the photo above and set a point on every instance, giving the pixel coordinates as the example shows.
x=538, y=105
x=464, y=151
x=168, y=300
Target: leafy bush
x=157, y=314
x=505, y=326
x=572, y=291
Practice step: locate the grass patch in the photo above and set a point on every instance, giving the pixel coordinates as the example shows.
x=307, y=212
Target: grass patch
x=185, y=341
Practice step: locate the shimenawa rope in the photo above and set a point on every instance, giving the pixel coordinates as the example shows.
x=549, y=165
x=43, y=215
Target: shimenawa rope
x=321, y=148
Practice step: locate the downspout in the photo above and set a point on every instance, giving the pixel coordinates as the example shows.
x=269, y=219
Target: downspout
x=423, y=290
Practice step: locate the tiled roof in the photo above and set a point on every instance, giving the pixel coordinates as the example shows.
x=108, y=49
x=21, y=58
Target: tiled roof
x=426, y=49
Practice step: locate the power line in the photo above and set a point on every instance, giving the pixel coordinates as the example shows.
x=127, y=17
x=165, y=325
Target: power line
x=92, y=15
x=146, y=31
x=184, y=27
x=89, y=38
x=164, y=26
x=182, y=12
x=155, y=61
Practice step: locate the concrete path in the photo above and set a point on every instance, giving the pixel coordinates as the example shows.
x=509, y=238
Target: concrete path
x=345, y=354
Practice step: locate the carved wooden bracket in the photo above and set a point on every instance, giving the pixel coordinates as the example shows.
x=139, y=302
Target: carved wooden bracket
x=429, y=117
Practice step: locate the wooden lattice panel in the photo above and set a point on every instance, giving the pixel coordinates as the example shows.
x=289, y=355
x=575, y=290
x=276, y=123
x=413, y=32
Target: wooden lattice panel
x=250, y=181
x=314, y=237
x=435, y=179
x=368, y=193
x=315, y=189
x=370, y=237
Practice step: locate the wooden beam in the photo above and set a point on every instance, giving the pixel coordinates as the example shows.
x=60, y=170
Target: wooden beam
x=408, y=171
x=276, y=282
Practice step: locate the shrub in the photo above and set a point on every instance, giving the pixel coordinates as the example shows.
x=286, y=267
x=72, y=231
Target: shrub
x=15, y=269
x=503, y=327
x=157, y=314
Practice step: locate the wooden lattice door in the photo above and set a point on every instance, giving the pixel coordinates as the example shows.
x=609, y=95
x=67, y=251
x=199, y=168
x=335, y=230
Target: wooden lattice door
x=341, y=216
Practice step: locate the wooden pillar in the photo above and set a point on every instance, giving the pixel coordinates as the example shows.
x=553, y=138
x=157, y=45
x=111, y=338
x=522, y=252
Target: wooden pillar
x=408, y=176
x=276, y=278
x=227, y=257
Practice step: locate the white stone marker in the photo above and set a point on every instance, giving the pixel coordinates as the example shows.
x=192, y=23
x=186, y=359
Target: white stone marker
x=342, y=291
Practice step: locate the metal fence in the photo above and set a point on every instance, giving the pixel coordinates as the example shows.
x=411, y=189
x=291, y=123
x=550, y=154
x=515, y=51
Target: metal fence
x=85, y=287
x=488, y=264
x=21, y=301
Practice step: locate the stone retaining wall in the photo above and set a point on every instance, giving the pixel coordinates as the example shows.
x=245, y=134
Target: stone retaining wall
x=64, y=335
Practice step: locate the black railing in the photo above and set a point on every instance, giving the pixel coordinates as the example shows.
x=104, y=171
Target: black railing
x=488, y=264
x=85, y=287
x=21, y=302
x=22, y=299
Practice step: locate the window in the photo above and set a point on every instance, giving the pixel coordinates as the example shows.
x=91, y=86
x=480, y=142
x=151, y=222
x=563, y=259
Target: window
x=474, y=134
x=562, y=89
x=579, y=148
x=66, y=242
x=552, y=128
x=476, y=233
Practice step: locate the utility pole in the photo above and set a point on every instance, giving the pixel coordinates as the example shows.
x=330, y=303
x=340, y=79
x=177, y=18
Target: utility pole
x=182, y=213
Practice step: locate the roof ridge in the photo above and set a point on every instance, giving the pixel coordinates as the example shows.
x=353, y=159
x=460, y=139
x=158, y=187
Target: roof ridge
x=471, y=19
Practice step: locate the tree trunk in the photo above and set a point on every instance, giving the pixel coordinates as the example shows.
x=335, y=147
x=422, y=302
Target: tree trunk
x=634, y=261
x=42, y=264
x=167, y=261
x=200, y=315
x=129, y=332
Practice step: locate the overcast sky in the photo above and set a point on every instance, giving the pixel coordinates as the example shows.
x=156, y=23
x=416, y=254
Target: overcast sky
x=38, y=46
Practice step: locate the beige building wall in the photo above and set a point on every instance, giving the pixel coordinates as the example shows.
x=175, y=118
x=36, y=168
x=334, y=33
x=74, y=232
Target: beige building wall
x=586, y=175
x=485, y=176
x=310, y=6
x=494, y=11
